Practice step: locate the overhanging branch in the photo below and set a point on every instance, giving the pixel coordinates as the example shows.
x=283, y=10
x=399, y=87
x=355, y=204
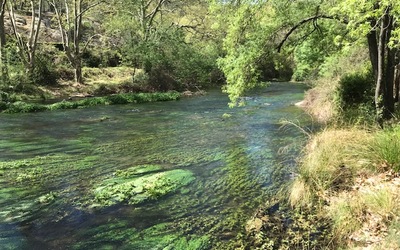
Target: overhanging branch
x=302, y=22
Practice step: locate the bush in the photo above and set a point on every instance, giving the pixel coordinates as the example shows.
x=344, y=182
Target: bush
x=45, y=72
x=91, y=59
x=100, y=58
x=3, y=106
x=356, y=88
x=354, y=98
x=105, y=89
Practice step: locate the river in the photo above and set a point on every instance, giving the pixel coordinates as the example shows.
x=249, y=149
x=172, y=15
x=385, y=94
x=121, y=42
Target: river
x=53, y=163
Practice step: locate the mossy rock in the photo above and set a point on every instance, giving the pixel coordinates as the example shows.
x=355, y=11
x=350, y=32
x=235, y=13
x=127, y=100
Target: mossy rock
x=137, y=186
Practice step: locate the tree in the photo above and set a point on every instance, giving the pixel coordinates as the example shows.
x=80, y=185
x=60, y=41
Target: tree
x=377, y=21
x=167, y=39
x=71, y=29
x=28, y=49
x=292, y=22
x=3, y=68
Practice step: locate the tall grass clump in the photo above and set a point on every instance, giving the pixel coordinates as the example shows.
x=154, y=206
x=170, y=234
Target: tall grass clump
x=386, y=149
x=330, y=162
x=349, y=177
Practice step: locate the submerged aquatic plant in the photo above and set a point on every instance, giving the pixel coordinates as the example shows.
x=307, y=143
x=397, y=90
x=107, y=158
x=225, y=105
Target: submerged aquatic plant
x=130, y=188
x=23, y=107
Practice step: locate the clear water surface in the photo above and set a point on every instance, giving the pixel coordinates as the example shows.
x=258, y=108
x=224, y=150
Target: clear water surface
x=53, y=161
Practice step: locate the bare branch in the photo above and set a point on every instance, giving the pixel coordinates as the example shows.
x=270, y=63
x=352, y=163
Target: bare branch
x=89, y=7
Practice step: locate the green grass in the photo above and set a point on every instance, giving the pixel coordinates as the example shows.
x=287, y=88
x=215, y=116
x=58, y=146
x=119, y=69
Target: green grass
x=386, y=148
x=330, y=161
x=23, y=107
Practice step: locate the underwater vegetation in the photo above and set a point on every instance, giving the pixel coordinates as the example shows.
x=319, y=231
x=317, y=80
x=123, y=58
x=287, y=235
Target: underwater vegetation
x=176, y=176
x=139, y=184
x=24, y=107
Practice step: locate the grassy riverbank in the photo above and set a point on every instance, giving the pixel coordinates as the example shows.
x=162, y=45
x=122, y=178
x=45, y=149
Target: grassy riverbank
x=349, y=176
x=345, y=192
x=106, y=86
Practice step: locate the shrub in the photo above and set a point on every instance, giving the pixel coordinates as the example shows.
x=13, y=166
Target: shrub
x=92, y=101
x=44, y=72
x=355, y=89
x=3, y=106
x=105, y=89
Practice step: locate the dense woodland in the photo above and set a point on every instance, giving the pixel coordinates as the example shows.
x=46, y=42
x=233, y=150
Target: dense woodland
x=347, y=50
x=179, y=45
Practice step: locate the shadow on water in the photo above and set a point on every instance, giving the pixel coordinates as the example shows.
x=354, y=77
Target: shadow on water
x=53, y=163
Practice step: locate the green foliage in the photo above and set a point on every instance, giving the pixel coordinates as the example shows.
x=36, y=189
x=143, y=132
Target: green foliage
x=103, y=57
x=354, y=98
x=18, y=80
x=170, y=63
x=45, y=72
x=356, y=88
x=63, y=105
x=244, y=49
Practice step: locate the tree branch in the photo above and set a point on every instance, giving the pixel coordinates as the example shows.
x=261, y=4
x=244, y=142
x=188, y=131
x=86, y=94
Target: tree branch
x=302, y=22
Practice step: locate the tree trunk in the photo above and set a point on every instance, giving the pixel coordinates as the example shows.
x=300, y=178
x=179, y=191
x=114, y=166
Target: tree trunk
x=2, y=29
x=380, y=78
x=3, y=66
x=389, y=75
x=34, y=35
x=373, y=50
x=78, y=70
x=397, y=82
x=77, y=40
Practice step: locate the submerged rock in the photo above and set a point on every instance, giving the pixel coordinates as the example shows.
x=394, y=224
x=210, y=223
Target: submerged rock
x=139, y=184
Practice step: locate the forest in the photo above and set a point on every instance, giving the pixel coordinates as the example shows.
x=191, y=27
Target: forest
x=344, y=190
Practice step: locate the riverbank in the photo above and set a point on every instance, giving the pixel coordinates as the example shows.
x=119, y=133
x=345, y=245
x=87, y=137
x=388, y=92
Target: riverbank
x=345, y=193
x=349, y=177
x=103, y=86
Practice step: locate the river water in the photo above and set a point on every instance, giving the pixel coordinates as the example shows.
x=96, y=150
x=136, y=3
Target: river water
x=52, y=163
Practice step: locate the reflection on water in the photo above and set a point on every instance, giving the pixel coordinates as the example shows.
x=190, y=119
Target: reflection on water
x=53, y=161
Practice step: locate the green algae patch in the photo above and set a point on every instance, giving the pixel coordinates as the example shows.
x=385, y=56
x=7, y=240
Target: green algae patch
x=40, y=168
x=125, y=98
x=129, y=188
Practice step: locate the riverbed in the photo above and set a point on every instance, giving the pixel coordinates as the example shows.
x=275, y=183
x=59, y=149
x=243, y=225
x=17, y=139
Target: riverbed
x=221, y=163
